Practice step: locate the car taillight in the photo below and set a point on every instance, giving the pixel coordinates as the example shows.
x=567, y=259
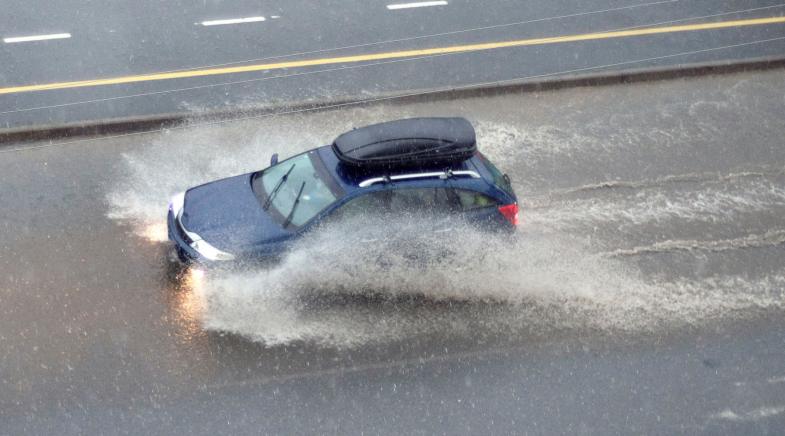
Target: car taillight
x=510, y=211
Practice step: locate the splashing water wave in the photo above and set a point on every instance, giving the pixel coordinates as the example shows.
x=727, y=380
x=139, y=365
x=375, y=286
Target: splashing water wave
x=333, y=291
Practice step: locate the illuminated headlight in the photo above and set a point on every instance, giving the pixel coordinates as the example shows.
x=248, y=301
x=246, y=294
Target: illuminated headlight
x=210, y=252
x=177, y=203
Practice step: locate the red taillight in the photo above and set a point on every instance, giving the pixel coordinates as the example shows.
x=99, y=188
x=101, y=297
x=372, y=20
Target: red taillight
x=510, y=211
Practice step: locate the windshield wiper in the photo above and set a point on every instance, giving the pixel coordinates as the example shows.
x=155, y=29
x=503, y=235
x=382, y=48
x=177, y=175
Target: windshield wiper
x=278, y=185
x=294, y=206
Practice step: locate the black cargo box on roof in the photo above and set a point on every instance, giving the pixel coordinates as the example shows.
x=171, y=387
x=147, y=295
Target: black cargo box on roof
x=414, y=141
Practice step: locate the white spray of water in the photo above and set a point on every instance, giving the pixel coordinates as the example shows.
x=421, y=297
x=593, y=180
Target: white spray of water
x=321, y=291
x=770, y=238
x=714, y=202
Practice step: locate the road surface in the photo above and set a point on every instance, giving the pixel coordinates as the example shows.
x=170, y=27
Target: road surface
x=71, y=62
x=644, y=294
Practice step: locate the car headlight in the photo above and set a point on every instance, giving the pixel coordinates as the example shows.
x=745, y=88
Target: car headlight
x=210, y=252
x=177, y=202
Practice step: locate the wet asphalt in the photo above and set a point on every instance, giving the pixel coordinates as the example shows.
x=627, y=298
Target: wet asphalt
x=650, y=281
x=112, y=39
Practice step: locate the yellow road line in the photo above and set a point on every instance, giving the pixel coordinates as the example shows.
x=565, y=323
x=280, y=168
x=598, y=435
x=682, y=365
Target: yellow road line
x=394, y=55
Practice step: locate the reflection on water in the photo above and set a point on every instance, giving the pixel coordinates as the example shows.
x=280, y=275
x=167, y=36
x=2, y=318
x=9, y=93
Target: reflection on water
x=187, y=303
x=183, y=295
x=192, y=299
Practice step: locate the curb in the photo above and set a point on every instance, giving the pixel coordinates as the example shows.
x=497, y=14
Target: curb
x=161, y=121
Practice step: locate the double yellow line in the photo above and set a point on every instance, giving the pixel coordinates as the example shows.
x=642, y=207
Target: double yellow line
x=393, y=55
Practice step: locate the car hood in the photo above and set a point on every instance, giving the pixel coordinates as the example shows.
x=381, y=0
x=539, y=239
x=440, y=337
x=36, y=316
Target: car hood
x=227, y=214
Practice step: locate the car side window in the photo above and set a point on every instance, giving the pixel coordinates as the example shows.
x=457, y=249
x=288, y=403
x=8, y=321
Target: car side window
x=397, y=201
x=470, y=200
x=421, y=200
x=374, y=202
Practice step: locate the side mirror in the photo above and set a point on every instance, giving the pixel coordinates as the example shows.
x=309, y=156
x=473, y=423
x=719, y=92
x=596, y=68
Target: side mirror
x=274, y=159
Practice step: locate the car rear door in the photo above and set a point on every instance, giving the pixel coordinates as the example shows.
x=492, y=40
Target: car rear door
x=476, y=208
x=433, y=203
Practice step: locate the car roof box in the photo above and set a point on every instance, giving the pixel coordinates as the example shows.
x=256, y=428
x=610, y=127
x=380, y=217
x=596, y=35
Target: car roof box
x=408, y=142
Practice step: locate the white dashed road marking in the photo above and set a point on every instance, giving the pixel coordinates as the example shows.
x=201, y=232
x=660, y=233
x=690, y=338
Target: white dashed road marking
x=232, y=21
x=36, y=38
x=415, y=5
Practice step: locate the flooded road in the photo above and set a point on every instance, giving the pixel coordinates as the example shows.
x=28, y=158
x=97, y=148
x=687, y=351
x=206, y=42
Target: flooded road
x=644, y=291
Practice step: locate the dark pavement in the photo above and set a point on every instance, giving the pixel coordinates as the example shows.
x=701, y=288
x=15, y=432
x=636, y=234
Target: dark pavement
x=645, y=293
x=111, y=39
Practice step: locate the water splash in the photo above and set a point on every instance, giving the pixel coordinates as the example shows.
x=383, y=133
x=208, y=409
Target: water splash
x=722, y=201
x=332, y=291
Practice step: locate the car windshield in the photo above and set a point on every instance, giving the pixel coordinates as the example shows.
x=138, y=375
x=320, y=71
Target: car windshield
x=278, y=187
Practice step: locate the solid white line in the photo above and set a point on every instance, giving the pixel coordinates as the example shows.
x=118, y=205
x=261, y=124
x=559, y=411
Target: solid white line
x=36, y=38
x=232, y=21
x=415, y=5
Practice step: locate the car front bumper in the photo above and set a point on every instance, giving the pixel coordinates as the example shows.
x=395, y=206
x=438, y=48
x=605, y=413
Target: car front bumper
x=185, y=253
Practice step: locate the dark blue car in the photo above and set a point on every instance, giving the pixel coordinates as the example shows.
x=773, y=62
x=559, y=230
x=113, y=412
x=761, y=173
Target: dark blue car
x=421, y=164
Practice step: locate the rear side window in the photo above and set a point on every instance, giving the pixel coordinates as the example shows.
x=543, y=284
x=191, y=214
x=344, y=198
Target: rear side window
x=397, y=201
x=470, y=200
x=499, y=179
x=420, y=200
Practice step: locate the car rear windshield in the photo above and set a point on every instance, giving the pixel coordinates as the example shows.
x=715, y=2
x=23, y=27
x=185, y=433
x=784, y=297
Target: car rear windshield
x=499, y=179
x=279, y=187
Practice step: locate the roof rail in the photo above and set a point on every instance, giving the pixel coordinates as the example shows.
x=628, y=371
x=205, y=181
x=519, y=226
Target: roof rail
x=440, y=174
